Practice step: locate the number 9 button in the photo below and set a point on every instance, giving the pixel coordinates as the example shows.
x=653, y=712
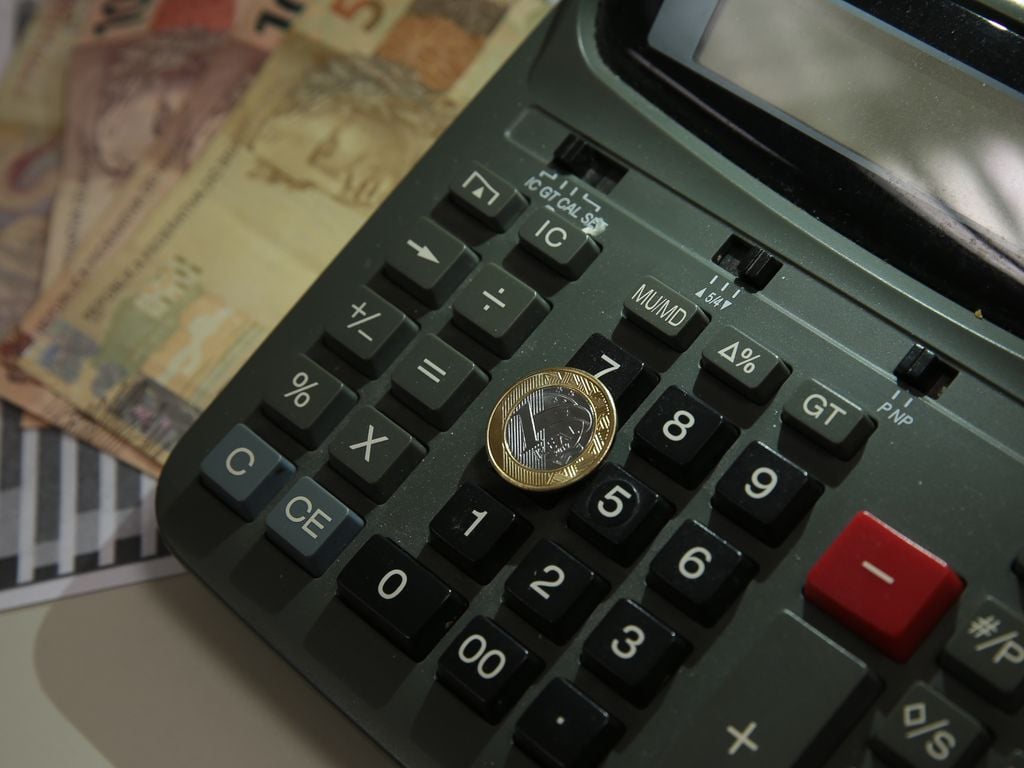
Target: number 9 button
x=765, y=493
x=633, y=652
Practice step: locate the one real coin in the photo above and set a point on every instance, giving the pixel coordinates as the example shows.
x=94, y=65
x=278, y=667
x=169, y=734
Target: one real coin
x=551, y=429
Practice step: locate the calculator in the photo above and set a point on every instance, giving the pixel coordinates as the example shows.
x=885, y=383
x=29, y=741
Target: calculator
x=787, y=240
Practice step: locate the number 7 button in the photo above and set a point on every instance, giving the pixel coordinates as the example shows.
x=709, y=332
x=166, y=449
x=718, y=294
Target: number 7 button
x=882, y=585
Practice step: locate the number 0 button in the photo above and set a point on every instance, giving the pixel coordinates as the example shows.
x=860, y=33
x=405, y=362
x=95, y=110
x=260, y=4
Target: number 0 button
x=487, y=668
x=553, y=590
x=633, y=652
x=398, y=596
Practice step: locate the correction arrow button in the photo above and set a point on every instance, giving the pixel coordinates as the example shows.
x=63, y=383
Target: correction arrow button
x=428, y=262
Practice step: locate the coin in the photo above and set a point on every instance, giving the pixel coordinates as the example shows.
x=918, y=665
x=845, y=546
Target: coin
x=551, y=429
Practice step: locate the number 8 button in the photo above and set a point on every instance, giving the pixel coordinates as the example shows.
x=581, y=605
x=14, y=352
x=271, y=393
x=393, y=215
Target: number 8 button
x=633, y=652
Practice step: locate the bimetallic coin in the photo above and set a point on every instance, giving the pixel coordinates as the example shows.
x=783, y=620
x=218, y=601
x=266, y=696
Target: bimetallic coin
x=551, y=429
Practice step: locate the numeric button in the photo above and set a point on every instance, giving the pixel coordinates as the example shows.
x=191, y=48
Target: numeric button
x=682, y=437
x=244, y=471
x=487, y=668
x=487, y=197
x=477, y=532
x=429, y=263
x=618, y=370
x=554, y=591
x=369, y=333
x=498, y=310
x=401, y=599
x=766, y=493
x=700, y=572
x=618, y=514
x=828, y=419
x=558, y=242
x=633, y=652
x=926, y=729
x=735, y=358
x=436, y=381
x=374, y=453
x=306, y=401
x=987, y=653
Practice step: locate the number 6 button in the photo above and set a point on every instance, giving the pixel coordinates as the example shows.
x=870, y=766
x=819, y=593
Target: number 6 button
x=554, y=591
x=633, y=652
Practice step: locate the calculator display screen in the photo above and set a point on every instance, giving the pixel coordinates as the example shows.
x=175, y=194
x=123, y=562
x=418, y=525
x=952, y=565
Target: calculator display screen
x=942, y=141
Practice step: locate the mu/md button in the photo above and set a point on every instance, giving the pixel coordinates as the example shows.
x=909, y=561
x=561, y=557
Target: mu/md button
x=244, y=471
x=664, y=313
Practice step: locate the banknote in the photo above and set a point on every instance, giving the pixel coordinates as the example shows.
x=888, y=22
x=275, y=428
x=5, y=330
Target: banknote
x=338, y=115
x=14, y=18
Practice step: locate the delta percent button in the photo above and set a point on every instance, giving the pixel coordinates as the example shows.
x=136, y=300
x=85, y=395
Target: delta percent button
x=882, y=585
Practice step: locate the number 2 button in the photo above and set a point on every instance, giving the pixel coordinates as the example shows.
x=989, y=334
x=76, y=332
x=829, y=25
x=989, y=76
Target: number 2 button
x=554, y=591
x=633, y=652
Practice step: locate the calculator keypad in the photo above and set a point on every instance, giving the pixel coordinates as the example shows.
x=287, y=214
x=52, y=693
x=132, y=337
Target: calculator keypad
x=554, y=591
x=498, y=310
x=436, y=381
x=487, y=668
x=373, y=452
x=244, y=471
x=306, y=401
x=407, y=603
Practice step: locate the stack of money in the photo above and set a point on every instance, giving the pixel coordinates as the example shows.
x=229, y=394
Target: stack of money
x=178, y=172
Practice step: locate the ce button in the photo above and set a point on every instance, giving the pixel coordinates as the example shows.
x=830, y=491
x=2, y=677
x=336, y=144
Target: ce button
x=244, y=471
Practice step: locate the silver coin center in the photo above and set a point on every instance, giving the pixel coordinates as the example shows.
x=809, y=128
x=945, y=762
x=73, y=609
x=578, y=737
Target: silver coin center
x=550, y=428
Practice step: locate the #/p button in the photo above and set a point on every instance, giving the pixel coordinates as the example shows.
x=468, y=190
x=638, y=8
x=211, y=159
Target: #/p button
x=244, y=471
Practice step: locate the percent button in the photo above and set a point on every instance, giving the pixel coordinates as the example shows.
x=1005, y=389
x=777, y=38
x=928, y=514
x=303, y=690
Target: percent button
x=743, y=364
x=306, y=401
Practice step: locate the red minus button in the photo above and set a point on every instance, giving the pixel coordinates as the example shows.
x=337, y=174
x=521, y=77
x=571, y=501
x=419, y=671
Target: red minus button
x=882, y=585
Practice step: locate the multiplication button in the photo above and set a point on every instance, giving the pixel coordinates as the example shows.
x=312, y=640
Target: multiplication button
x=429, y=263
x=743, y=364
x=498, y=310
x=374, y=453
x=828, y=419
x=244, y=471
x=436, y=381
x=987, y=653
x=558, y=243
x=369, y=332
x=306, y=401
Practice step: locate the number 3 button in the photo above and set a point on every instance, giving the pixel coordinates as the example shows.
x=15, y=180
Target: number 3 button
x=553, y=590
x=633, y=652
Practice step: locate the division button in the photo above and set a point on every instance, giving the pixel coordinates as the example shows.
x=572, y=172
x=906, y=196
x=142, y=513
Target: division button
x=743, y=364
x=429, y=263
x=374, y=453
x=664, y=313
x=618, y=514
x=368, y=332
x=828, y=419
x=789, y=702
x=487, y=668
x=882, y=585
x=487, y=197
x=436, y=381
x=312, y=526
x=477, y=532
x=306, y=401
x=563, y=728
x=700, y=572
x=244, y=471
x=498, y=310
x=558, y=242
x=987, y=653
x=766, y=493
x=402, y=599
x=618, y=370
x=633, y=652
x=553, y=590
x=682, y=437
x=926, y=729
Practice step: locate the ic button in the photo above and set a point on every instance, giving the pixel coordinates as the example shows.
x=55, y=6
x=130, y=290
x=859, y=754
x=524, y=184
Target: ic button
x=558, y=243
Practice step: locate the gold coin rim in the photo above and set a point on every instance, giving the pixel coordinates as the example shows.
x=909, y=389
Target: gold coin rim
x=586, y=384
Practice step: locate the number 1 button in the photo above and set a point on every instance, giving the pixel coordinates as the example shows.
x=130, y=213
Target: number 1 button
x=554, y=591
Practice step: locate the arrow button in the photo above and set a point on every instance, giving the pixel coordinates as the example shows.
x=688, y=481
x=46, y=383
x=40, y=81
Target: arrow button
x=429, y=263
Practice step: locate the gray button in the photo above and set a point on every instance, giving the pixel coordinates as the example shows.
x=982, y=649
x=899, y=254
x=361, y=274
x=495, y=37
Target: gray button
x=436, y=381
x=244, y=471
x=306, y=401
x=827, y=418
x=312, y=526
x=661, y=311
x=488, y=197
x=925, y=729
x=558, y=243
x=373, y=452
x=428, y=262
x=1018, y=565
x=789, y=702
x=987, y=653
x=498, y=310
x=743, y=364
x=368, y=331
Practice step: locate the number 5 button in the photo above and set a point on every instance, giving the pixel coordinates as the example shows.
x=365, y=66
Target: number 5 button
x=553, y=590
x=633, y=652
x=765, y=493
